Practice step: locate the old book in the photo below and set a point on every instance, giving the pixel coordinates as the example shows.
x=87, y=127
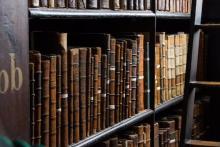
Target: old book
x=53, y=97
x=136, y=4
x=164, y=137
x=92, y=95
x=140, y=4
x=51, y=3
x=95, y=93
x=88, y=88
x=147, y=4
x=177, y=64
x=81, y=4
x=128, y=103
x=103, y=144
x=35, y=57
x=32, y=98
x=124, y=82
x=147, y=138
x=130, y=4
x=156, y=135
x=103, y=4
x=161, y=138
x=60, y=3
x=43, y=3
x=91, y=4
x=103, y=90
x=58, y=101
x=134, y=138
x=167, y=5
x=140, y=131
x=147, y=75
x=45, y=101
x=113, y=142
x=123, y=4
x=115, y=4
x=34, y=3
x=157, y=75
x=72, y=4
x=112, y=83
x=82, y=91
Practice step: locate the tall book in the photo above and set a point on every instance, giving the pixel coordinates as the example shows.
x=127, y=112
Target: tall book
x=140, y=131
x=177, y=64
x=156, y=135
x=140, y=4
x=82, y=91
x=91, y=4
x=147, y=138
x=45, y=101
x=35, y=57
x=147, y=75
x=53, y=97
x=128, y=83
x=92, y=96
x=157, y=75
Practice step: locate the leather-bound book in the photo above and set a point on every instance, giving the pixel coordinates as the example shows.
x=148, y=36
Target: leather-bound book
x=167, y=5
x=82, y=91
x=103, y=4
x=92, y=95
x=103, y=90
x=147, y=138
x=123, y=4
x=130, y=4
x=156, y=135
x=45, y=101
x=141, y=4
x=35, y=57
x=134, y=138
x=43, y=3
x=91, y=4
x=32, y=98
x=147, y=4
x=34, y=3
x=157, y=75
x=81, y=4
x=114, y=4
x=117, y=81
x=60, y=3
x=58, y=101
x=177, y=64
x=72, y=4
x=147, y=75
x=53, y=97
x=128, y=103
x=161, y=138
x=88, y=89
x=124, y=75
x=51, y=3
x=70, y=93
x=140, y=131
x=112, y=83
x=113, y=142
x=95, y=93
x=140, y=73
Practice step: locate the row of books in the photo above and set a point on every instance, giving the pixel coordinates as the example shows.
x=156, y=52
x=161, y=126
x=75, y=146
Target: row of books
x=83, y=83
x=170, y=66
x=177, y=6
x=93, y=4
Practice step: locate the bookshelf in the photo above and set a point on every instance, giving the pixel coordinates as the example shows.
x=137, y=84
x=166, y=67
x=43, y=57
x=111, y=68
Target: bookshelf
x=61, y=19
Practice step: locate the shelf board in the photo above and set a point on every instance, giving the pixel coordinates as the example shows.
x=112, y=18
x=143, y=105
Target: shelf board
x=172, y=15
x=169, y=103
x=66, y=13
x=91, y=140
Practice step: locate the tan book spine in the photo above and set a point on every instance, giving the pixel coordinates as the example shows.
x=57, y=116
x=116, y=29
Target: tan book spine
x=60, y=3
x=157, y=75
x=51, y=3
x=177, y=64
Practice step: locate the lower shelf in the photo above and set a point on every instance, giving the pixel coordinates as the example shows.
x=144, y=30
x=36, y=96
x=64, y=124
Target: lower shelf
x=91, y=140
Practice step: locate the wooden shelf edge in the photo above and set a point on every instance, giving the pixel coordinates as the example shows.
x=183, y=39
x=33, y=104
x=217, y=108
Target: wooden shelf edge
x=67, y=13
x=172, y=15
x=113, y=129
x=168, y=104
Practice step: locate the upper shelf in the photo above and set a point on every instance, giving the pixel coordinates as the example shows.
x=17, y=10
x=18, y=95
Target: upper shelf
x=65, y=13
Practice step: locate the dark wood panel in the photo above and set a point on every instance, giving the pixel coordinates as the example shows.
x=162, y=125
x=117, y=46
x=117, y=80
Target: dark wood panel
x=14, y=98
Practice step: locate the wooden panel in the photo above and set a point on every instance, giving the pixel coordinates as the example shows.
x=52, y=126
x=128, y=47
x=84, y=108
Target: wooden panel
x=14, y=97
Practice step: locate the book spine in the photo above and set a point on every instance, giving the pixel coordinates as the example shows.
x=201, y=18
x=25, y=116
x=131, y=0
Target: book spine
x=114, y=4
x=140, y=131
x=91, y=4
x=95, y=93
x=128, y=83
x=45, y=101
x=147, y=75
x=113, y=142
x=156, y=135
x=112, y=83
x=136, y=4
x=103, y=4
x=36, y=59
x=121, y=82
x=147, y=135
x=51, y=4
x=53, y=96
x=32, y=98
x=108, y=89
x=177, y=65
x=58, y=100
x=43, y=3
x=117, y=82
x=70, y=95
x=130, y=4
x=72, y=4
x=124, y=76
x=81, y=4
x=75, y=61
x=82, y=91
x=34, y=3
x=92, y=95
x=103, y=90
x=60, y=3
x=99, y=53
x=88, y=92
x=141, y=4
x=123, y=4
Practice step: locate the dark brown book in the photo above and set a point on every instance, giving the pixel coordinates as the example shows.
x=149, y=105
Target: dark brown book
x=117, y=81
x=70, y=93
x=128, y=83
x=81, y=4
x=53, y=97
x=51, y=3
x=147, y=137
x=147, y=75
x=103, y=4
x=134, y=138
x=103, y=144
x=60, y=3
x=113, y=142
x=92, y=95
x=112, y=83
x=141, y=4
x=140, y=131
x=34, y=3
x=95, y=93
x=58, y=100
x=35, y=57
x=32, y=98
x=45, y=101
x=103, y=90
x=43, y=3
x=114, y=4
x=156, y=135
x=91, y=4
x=82, y=91
x=123, y=4
x=88, y=88
x=130, y=4
x=72, y=4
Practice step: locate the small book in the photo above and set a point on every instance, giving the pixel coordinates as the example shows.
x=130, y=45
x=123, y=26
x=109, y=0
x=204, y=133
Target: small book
x=136, y=4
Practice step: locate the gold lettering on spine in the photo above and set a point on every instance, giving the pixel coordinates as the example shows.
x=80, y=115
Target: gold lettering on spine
x=4, y=85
